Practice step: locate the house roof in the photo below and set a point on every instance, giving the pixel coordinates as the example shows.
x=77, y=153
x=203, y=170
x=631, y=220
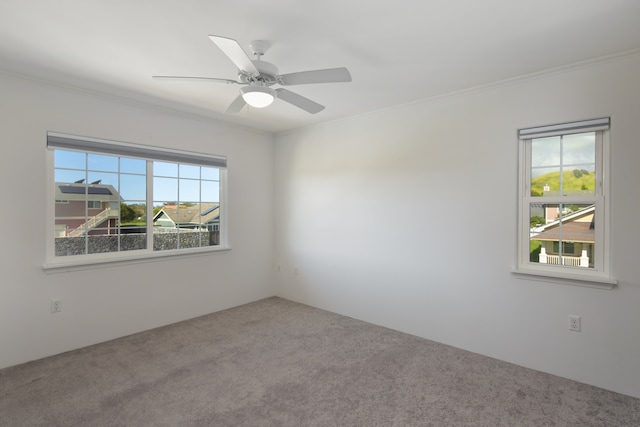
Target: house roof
x=75, y=191
x=575, y=227
x=196, y=214
x=571, y=232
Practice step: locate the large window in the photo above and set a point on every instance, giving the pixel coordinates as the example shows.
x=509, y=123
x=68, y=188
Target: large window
x=110, y=201
x=563, y=193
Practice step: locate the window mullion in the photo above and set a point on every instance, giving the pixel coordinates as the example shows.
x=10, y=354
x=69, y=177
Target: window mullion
x=561, y=165
x=86, y=203
x=119, y=220
x=178, y=210
x=149, y=201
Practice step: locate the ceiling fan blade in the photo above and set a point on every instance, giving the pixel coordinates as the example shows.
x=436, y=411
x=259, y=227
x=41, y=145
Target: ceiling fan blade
x=330, y=75
x=211, y=79
x=236, y=105
x=299, y=101
x=236, y=54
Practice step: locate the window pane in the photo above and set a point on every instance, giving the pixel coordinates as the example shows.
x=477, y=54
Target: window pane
x=71, y=220
x=210, y=224
x=545, y=166
x=562, y=234
x=579, y=159
x=165, y=190
x=94, y=205
x=133, y=187
x=165, y=226
x=189, y=171
x=69, y=215
x=210, y=191
x=101, y=162
x=545, y=152
x=89, y=204
x=128, y=165
x=210, y=173
x=133, y=221
x=165, y=169
x=70, y=176
x=563, y=165
x=70, y=159
x=189, y=190
x=579, y=149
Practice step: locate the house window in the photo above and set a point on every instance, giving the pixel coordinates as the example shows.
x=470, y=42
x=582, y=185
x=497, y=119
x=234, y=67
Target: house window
x=563, y=199
x=568, y=248
x=125, y=201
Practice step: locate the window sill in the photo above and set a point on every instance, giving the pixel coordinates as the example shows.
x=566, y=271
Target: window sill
x=104, y=260
x=591, y=281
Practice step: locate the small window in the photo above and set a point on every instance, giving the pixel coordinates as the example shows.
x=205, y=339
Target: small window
x=563, y=198
x=123, y=201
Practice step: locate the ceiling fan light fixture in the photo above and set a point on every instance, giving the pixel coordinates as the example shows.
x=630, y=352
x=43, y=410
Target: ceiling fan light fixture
x=258, y=96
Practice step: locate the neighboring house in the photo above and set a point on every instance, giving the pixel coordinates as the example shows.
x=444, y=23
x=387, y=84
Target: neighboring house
x=199, y=216
x=82, y=208
x=578, y=235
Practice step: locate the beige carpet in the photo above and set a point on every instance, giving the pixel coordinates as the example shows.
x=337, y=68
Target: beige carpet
x=279, y=363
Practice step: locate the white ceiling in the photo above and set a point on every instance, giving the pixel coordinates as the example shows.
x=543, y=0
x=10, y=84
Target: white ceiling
x=397, y=52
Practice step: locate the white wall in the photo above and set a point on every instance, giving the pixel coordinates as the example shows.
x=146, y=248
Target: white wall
x=407, y=218
x=108, y=302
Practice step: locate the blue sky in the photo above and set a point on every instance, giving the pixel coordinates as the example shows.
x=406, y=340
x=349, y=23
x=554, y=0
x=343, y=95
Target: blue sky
x=171, y=181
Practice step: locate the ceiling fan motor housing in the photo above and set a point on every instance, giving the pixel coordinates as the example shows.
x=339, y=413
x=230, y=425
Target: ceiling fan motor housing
x=268, y=73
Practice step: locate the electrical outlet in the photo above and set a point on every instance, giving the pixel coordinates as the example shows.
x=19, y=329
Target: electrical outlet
x=574, y=323
x=56, y=305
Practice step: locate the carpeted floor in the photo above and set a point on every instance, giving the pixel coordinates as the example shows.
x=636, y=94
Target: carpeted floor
x=278, y=363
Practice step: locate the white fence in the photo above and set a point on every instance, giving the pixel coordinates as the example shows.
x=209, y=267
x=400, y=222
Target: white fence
x=574, y=261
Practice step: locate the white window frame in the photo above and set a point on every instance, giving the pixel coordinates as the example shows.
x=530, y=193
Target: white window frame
x=600, y=275
x=101, y=146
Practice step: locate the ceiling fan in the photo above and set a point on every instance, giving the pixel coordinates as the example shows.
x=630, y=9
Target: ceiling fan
x=257, y=77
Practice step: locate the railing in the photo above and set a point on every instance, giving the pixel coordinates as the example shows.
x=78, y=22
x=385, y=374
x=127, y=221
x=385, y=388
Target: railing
x=573, y=261
x=94, y=222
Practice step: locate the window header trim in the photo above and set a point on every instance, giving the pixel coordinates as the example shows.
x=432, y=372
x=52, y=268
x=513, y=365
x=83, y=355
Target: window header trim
x=565, y=128
x=56, y=140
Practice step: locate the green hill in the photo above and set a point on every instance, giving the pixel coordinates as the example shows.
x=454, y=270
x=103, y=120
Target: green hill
x=575, y=180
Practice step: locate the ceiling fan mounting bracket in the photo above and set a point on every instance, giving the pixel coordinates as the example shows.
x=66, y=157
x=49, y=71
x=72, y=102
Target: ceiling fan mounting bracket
x=259, y=47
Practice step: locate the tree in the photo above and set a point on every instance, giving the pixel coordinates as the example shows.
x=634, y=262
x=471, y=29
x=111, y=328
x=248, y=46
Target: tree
x=536, y=221
x=140, y=209
x=126, y=213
